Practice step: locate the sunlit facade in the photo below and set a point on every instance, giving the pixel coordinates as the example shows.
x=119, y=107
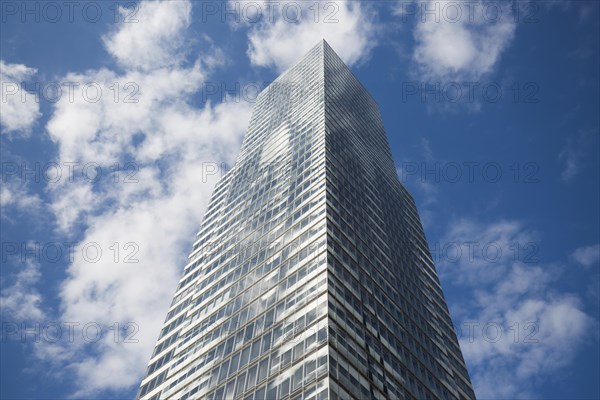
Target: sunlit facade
x=310, y=277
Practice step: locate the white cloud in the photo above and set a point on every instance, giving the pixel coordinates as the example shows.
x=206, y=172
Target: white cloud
x=572, y=164
x=20, y=109
x=411, y=175
x=151, y=219
x=587, y=255
x=457, y=44
x=15, y=194
x=540, y=335
x=573, y=155
x=153, y=35
x=348, y=26
x=21, y=300
x=522, y=330
x=473, y=253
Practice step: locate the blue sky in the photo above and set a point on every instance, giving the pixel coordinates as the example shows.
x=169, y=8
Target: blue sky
x=491, y=110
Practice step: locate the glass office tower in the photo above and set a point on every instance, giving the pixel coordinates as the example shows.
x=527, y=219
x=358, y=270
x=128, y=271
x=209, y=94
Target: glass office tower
x=310, y=277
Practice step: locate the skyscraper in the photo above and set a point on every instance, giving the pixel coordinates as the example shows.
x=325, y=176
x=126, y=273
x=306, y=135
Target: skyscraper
x=310, y=277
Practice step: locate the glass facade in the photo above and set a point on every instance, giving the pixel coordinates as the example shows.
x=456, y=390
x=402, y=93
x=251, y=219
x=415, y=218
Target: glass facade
x=310, y=277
